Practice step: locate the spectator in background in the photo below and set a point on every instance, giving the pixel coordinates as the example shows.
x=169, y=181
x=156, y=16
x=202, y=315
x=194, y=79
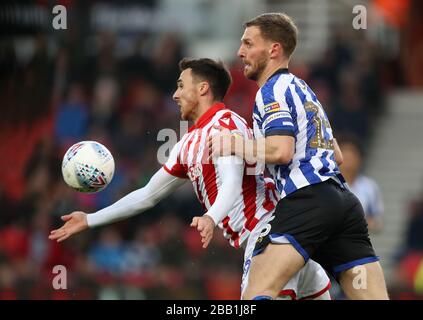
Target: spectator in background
x=72, y=117
x=365, y=188
x=349, y=111
x=109, y=252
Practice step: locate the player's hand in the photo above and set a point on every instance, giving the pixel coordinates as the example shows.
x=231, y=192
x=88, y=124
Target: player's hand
x=221, y=144
x=205, y=225
x=75, y=222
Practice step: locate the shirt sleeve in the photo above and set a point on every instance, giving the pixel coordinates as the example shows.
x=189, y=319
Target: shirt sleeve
x=276, y=119
x=230, y=170
x=174, y=164
x=159, y=187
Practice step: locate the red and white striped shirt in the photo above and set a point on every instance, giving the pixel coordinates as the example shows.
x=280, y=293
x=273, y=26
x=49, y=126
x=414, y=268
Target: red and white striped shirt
x=188, y=159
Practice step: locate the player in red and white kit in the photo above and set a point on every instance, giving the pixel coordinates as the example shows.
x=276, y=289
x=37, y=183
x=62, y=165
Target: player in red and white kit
x=234, y=195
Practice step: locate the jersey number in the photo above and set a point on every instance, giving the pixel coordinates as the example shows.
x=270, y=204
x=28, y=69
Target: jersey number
x=321, y=124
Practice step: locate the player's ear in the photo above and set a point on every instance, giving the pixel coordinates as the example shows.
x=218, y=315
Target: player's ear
x=276, y=49
x=203, y=87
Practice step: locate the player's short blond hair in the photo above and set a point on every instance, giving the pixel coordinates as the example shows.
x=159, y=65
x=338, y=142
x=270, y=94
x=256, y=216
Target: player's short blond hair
x=277, y=27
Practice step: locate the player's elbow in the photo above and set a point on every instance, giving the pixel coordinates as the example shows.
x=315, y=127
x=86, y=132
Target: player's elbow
x=282, y=156
x=279, y=149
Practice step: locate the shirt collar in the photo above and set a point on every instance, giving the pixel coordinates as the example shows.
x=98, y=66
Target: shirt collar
x=206, y=117
x=280, y=70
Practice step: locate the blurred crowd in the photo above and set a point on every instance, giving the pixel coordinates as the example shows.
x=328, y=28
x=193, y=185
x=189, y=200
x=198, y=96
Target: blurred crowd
x=89, y=91
x=408, y=275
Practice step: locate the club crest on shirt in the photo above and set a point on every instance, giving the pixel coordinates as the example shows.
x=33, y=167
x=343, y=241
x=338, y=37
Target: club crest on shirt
x=194, y=171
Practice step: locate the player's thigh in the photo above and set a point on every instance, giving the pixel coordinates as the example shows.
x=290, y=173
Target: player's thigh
x=312, y=281
x=272, y=269
x=364, y=282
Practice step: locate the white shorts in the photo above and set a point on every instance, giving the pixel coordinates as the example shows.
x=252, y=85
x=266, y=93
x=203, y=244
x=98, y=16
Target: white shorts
x=309, y=282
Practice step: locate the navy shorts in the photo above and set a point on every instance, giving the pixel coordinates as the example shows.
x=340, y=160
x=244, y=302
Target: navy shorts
x=325, y=222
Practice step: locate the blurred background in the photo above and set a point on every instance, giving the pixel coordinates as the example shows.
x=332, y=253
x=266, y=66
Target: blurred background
x=110, y=76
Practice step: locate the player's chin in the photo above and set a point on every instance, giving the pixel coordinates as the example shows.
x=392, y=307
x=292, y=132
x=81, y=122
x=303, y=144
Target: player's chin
x=250, y=74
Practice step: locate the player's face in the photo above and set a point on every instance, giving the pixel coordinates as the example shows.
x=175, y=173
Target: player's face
x=186, y=95
x=254, y=52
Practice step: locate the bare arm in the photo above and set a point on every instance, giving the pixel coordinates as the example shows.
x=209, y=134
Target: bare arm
x=278, y=149
x=271, y=150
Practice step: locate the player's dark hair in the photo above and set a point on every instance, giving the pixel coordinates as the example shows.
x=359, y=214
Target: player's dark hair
x=214, y=72
x=277, y=27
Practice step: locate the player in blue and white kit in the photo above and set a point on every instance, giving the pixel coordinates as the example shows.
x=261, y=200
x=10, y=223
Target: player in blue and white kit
x=240, y=204
x=317, y=215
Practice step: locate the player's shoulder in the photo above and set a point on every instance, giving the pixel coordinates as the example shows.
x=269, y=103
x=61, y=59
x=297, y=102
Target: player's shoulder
x=228, y=119
x=274, y=90
x=175, y=149
x=279, y=83
x=178, y=145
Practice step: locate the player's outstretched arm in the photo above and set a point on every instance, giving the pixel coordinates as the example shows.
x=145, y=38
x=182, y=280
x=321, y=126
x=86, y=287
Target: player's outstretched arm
x=159, y=187
x=230, y=171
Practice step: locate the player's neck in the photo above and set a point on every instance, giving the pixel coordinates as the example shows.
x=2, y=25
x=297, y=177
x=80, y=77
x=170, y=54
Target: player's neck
x=202, y=109
x=270, y=70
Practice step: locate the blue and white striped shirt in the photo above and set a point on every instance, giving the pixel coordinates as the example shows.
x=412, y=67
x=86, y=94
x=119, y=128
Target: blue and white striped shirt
x=285, y=105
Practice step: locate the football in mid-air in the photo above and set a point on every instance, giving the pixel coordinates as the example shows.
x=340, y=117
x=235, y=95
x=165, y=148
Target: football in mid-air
x=88, y=166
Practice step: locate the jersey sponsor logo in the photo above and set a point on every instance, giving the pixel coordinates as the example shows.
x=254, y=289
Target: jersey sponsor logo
x=272, y=107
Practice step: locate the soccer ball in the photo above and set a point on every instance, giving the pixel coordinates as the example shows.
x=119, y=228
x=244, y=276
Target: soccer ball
x=88, y=166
